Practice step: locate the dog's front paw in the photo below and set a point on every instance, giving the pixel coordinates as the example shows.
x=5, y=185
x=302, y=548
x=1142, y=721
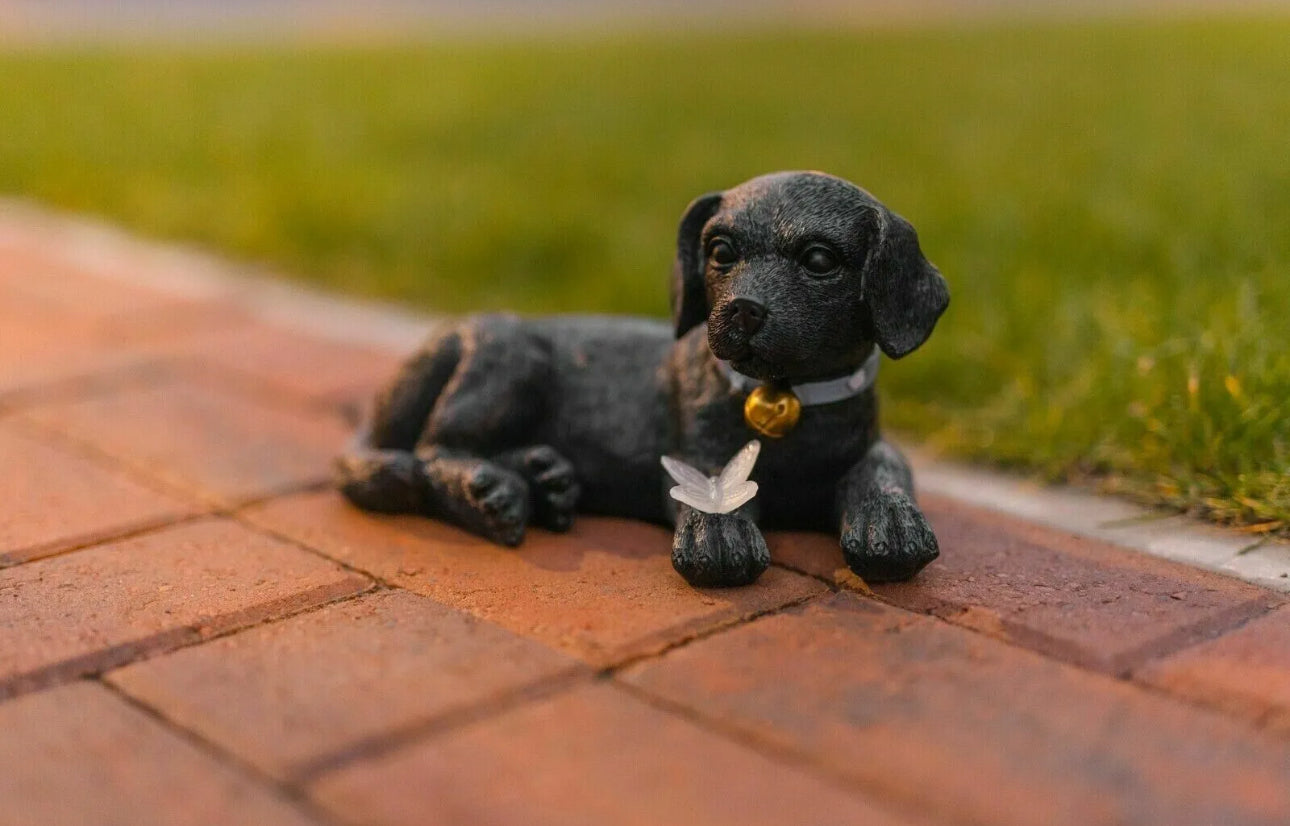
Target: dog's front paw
x=555, y=487
x=887, y=538
x=499, y=503
x=718, y=550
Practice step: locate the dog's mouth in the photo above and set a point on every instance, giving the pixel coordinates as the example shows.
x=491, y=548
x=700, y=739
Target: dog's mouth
x=746, y=357
x=754, y=364
x=752, y=356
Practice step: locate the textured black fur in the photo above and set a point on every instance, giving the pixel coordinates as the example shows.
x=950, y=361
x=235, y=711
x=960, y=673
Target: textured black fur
x=501, y=421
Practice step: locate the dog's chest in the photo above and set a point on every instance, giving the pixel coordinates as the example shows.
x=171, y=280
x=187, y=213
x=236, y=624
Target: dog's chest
x=798, y=473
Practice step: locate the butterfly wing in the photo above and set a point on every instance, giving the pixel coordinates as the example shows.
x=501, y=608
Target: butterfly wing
x=732, y=498
x=685, y=474
x=720, y=495
x=699, y=500
x=738, y=468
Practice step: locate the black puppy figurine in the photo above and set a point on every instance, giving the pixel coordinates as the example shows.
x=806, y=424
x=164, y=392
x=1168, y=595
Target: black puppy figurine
x=783, y=291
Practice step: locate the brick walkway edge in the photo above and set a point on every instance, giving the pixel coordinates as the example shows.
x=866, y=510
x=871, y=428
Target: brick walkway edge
x=194, y=629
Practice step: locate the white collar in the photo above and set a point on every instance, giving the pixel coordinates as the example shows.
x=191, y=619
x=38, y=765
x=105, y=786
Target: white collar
x=815, y=392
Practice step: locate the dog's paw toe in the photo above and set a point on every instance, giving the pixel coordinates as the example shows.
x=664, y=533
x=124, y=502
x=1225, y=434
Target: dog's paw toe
x=555, y=487
x=482, y=480
x=891, y=540
x=500, y=499
x=540, y=458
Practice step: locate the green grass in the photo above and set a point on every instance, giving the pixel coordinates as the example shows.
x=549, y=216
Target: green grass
x=1110, y=202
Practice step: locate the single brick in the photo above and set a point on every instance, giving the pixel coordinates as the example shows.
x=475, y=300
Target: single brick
x=1246, y=672
x=290, y=694
x=604, y=592
x=79, y=754
x=212, y=442
x=300, y=365
x=972, y=729
x=105, y=606
x=594, y=755
x=1081, y=600
x=54, y=500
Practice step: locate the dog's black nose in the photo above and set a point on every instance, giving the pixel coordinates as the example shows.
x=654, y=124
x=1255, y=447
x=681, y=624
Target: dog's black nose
x=748, y=315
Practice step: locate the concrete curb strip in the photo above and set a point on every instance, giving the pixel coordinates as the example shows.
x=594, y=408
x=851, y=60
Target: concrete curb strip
x=109, y=252
x=103, y=250
x=1159, y=533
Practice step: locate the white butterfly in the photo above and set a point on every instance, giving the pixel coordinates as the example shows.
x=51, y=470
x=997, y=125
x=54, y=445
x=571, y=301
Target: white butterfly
x=716, y=494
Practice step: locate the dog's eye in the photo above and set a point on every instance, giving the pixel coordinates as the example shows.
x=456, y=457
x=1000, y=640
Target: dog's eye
x=721, y=252
x=819, y=260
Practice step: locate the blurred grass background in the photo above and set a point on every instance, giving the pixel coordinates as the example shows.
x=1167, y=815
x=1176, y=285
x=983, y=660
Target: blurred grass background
x=1110, y=201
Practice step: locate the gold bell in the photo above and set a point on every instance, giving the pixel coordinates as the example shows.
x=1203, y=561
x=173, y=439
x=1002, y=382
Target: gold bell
x=772, y=412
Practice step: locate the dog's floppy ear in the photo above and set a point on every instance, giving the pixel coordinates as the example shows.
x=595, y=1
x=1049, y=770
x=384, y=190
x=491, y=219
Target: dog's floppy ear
x=904, y=292
x=689, y=294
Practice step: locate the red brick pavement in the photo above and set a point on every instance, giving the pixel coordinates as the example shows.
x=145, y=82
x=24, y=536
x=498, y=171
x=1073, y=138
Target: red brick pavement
x=1083, y=601
x=193, y=630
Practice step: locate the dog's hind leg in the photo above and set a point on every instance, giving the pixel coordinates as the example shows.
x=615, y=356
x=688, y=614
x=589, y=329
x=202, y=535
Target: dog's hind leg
x=388, y=481
x=393, y=466
x=379, y=471
x=474, y=450
x=479, y=495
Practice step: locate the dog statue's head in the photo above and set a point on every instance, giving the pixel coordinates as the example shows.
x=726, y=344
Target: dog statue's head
x=799, y=274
